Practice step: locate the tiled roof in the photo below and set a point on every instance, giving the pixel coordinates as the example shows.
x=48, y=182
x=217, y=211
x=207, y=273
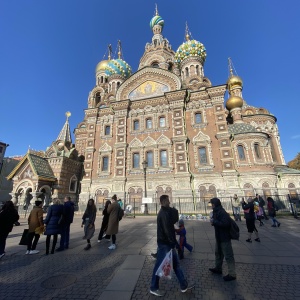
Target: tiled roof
x=286, y=170
x=241, y=128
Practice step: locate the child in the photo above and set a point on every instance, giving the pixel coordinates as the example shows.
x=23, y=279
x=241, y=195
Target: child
x=182, y=239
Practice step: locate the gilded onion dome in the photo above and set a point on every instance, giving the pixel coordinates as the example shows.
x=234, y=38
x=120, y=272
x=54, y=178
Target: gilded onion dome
x=118, y=66
x=190, y=48
x=234, y=102
x=103, y=63
x=234, y=81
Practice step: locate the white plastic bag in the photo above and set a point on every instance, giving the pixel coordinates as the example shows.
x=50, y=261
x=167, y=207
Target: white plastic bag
x=166, y=266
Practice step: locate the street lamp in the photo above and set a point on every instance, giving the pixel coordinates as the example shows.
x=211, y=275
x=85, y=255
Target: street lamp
x=145, y=164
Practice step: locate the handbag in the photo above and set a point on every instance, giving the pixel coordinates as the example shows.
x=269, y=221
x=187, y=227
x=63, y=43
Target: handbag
x=24, y=238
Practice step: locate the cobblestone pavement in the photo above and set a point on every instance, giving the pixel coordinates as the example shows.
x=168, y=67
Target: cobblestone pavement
x=270, y=269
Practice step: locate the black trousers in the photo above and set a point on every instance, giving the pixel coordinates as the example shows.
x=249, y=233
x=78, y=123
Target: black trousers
x=53, y=244
x=30, y=245
x=3, y=236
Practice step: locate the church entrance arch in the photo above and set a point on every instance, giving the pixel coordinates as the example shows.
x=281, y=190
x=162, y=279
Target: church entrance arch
x=163, y=190
x=101, y=196
x=135, y=195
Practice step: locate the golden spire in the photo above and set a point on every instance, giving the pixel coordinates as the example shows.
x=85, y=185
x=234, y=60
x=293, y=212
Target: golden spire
x=187, y=32
x=109, y=52
x=156, y=10
x=119, y=49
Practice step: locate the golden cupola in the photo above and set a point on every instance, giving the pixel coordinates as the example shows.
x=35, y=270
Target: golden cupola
x=234, y=87
x=103, y=63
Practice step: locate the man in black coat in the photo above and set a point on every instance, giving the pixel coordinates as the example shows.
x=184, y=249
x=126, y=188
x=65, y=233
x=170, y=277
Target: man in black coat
x=220, y=219
x=166, y=241
x=67, y=220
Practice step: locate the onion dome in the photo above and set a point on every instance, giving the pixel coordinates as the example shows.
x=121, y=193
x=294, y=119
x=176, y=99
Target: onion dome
x=103, y=63
x=101, y=66
x=190, y=48
x=156, y=20
x=233, y=81
x=234, y=102
x=118, y=66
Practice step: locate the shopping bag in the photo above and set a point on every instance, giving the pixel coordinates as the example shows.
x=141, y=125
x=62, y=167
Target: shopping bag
x=166, y=266
x=24, y=238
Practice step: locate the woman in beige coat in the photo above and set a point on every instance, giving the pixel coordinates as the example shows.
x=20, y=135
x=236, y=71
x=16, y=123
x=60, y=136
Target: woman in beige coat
x=35, y=220
x=113, y=222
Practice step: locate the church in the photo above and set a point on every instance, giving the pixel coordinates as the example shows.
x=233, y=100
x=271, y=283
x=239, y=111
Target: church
x=164, y=129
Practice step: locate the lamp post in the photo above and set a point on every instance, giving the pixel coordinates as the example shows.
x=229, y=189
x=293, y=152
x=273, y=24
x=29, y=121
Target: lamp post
x=145, y=164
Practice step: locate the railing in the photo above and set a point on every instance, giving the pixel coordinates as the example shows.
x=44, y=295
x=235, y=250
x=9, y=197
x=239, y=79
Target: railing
x=185, y=205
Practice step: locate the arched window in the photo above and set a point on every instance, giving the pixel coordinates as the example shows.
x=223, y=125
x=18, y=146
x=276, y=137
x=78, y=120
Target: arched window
x=162, y=122
x=155, y=65
x=73, y=184
x=257, y=150
x=149, y=123
x=170, y=67
x=107, y=130
x=163, y=158
x=101, y=79
x=241, y=152
x=105, y=163
x=136, y=160
x=202, y=155
x=197, y=70
x=118, y=84
x=149, y=156
x=136, y=125
x=198, y=118
x=186, y=71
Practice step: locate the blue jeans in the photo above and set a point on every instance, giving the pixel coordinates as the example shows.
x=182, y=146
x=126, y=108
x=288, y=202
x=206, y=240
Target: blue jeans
x=162, y=250
x=65, y=236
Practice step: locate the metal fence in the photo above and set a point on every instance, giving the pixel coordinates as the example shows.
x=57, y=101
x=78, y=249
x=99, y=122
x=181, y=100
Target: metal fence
x=186, y=205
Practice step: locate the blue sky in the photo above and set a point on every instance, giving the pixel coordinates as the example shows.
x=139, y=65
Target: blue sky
x=49, y=51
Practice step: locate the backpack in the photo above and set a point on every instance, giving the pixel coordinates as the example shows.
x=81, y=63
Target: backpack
x=234, y=230
x=120, y=213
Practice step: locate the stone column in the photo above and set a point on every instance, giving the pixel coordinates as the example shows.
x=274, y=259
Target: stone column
x=35, y=196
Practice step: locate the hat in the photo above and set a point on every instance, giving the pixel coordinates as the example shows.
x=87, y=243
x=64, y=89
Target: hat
x=215, y=201
x=38, y=202
x=180, y=222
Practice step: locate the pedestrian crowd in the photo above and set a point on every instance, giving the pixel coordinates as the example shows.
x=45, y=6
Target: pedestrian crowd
x=170, y=250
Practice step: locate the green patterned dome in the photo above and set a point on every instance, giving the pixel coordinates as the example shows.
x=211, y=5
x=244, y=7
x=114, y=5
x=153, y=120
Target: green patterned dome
x=157, y=20
x=190, y=48
x=117, y=66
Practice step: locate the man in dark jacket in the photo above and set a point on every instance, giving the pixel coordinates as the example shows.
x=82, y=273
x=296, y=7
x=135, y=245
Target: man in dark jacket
x=166, y=240
x=220, y=219
x=67, y=220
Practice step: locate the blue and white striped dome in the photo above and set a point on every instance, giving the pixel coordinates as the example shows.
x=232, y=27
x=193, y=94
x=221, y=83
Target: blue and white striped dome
x=118, y=66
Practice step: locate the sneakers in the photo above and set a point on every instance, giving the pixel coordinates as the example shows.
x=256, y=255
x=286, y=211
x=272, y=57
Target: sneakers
x=257, y=240
x=34, y=252
x=156, y=293
x=189, y=287
x=1, y=255
x=99, y=241
x=27, y=252
x=215, y=270
x=249, y=240
x=154, y=255
x=113, y=247
x=229, y=278
x=104, y=235
x=88, y=246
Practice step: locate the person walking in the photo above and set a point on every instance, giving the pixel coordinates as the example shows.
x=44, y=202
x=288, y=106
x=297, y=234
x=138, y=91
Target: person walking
x=53, y=223
x=88, y=221
x=166, y=241
x=35, y=220
x=8, y=216
x=250, y=219
x=272, y=211
x=221, y=221
x=68, y=216
x=104, y=224
x=236, y=207
x=113, y=222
